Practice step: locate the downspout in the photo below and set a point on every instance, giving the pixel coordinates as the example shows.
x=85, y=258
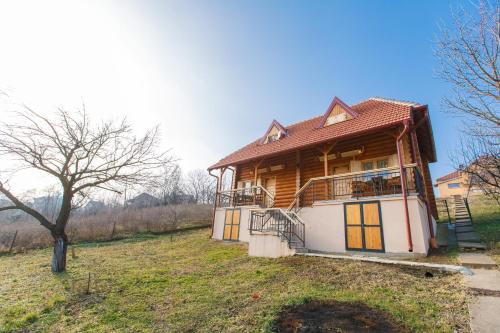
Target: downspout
x=403, y=184
x=215, y=200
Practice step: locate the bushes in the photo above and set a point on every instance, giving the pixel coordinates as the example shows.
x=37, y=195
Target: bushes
x=107, y=224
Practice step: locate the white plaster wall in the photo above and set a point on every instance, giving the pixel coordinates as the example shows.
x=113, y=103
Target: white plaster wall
x=325, y=231
x=268, y=245
x=394, y=224
x=220, y=215
x=324, y=226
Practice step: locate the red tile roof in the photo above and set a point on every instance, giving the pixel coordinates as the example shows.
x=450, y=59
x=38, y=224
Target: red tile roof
x=372, y=113
x=450, y=176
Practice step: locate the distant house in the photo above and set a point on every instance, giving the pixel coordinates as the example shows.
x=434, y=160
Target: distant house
x=355, y=178
x=47, y=205
x=93, y=206
x=144, y=200
x=456, y=183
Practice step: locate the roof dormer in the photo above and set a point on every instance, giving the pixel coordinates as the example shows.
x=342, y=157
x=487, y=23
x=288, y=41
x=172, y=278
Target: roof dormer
x=275, y=132
x=337, y=112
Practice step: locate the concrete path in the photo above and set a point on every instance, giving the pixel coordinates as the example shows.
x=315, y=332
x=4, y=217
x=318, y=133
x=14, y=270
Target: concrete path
x=378, y=260
x=485, y=286
x=476, y=260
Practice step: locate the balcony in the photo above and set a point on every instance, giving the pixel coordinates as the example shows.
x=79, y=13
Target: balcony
x=255, y=195
x=372, y=183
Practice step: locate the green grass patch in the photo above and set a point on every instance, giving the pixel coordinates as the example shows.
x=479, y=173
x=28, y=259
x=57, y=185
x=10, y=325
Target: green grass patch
x=486, y=218
x=196, y=284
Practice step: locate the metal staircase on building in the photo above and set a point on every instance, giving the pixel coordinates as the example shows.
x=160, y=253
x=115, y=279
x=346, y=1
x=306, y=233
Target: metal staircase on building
x=285, y=224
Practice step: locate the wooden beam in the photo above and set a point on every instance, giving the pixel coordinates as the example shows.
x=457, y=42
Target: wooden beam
x=256, y=166
x=326, y=150
x=221, y=176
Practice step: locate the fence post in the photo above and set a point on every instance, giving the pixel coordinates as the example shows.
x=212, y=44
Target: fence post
x=12, y=243
x=466, y=201
x=447, y=210
x=88, y=285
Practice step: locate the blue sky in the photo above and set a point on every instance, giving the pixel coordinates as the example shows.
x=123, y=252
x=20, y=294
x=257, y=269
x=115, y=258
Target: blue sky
x=215, y=73
x=286, y=60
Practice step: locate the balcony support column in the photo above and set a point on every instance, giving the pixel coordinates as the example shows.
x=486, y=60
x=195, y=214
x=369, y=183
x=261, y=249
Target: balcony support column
x=418, y=160
x=217, y=190
x=403, y=183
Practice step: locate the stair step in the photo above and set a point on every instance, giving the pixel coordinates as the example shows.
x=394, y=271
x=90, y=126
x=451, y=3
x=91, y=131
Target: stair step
x=472, y=245
x=468, y=237
x=467, y=228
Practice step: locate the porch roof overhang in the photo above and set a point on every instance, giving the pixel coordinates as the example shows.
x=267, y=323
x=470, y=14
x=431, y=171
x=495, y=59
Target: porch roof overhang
x=371, y=119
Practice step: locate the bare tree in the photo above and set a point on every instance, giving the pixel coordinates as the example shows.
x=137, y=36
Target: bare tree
x=469, y=60
x=200, y=185
x=167, y=183
x=81, y=155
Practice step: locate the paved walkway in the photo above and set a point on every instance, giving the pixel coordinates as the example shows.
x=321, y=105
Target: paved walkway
x=485, y=286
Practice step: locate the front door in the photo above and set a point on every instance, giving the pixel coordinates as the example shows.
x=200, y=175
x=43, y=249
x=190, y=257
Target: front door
x=270, y=185
x=341, y=186
x=232, y=224
x=363, y=226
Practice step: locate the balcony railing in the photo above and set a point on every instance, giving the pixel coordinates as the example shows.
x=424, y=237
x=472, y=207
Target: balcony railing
x=372, y=183
x=255, y=195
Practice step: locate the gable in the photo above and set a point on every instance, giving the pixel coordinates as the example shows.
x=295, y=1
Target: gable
x=337, y=112
x=337, y=115
x=275, y=132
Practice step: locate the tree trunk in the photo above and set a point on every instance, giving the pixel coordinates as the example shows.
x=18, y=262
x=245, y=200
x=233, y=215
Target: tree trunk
x=59, y=256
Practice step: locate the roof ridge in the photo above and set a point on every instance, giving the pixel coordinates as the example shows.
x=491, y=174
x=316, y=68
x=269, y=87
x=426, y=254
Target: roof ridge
x=376, y=98
x=389, y=100
x=302, y=121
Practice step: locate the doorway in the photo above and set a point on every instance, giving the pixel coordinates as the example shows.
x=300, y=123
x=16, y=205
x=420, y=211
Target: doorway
x=232, y=225
x=270, y=185
x=341, y=186
x=363, y=226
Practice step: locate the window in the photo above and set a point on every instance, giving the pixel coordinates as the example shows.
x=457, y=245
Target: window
x=454, y=185
x=272, y=138
x=336, y=119
x=381, y=164
x=367, y=166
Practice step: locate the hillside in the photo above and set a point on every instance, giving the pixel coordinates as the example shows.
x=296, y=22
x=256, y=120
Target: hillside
x=192, y=283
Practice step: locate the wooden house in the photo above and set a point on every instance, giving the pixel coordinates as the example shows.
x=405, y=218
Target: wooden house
x=355, y=178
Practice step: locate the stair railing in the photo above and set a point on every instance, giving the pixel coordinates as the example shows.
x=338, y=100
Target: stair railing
x=285, y=224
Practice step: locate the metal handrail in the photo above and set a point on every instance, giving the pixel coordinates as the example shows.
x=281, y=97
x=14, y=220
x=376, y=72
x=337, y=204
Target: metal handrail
x=286, y=224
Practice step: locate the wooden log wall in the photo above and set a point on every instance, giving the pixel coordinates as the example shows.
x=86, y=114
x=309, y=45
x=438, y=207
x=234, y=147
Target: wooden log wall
x=375, y=145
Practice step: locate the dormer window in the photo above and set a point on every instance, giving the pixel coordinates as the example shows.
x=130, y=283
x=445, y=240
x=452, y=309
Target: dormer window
x=274, y=133
x=337, y=118
x=337, y=112
x=273, y=137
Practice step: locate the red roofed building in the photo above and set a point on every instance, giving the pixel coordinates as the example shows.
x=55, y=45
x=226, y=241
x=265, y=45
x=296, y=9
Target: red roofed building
x=353, y=179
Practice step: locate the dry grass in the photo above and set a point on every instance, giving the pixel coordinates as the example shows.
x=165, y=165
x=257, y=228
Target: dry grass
x=196, y=284
x=100, y=226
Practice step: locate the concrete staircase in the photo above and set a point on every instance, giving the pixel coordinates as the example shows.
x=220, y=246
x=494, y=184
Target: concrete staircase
x=464, y=230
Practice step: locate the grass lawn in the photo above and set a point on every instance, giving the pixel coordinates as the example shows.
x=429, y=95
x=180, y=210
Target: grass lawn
x=151, y=283
x=486, y=218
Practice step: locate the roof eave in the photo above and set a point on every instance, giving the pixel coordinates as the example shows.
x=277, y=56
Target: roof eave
x=373, y=129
